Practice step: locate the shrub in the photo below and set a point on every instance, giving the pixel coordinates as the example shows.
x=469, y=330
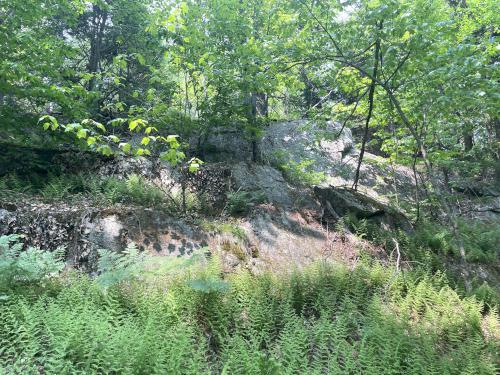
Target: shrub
x=480, y=240
x=240, y=202
x=134, y=189
x=30, y=266
x=114, y=268
x=299, y=173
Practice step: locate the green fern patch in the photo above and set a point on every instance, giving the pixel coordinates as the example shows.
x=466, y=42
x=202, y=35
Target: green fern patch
x=323, y=320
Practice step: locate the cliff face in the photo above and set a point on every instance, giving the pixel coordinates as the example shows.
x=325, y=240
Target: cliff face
x=283, y=223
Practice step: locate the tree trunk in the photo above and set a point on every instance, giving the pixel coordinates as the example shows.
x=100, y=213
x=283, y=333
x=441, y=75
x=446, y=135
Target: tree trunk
x=311, y=98
x=371, y=94
x=496, y=151
x=253, y=120
x=98, y=25
x=262, y=105
x=468, y=138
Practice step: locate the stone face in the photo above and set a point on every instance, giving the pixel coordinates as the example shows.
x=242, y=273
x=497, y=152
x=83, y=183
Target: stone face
x=273, y=237
x=262, y=179
x=328, y=148
x=300, y=139
x=85, y=230
x=347, y=201
x=289, y=229
x=323, y=143
x=223, y=144
x=284, y=238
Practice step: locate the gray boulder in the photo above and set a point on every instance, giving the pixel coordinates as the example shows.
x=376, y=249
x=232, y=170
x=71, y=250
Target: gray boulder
x=340, y=202
x=262, y=179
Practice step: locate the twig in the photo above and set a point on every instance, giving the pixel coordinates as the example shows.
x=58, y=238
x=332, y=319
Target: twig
x=398, y=252
x=350, y=114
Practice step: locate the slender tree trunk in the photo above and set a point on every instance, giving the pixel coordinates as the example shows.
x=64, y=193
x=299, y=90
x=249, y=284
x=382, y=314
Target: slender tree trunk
x=496, y=151
x=467, y=133
x=253, y=120
x=98, y=25
x=311, y=98
x=263, y=105
x=417, y=196
x=371, y=94
x=468, y=140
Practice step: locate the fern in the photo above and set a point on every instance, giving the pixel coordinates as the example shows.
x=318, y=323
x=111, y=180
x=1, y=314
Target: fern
x=322, y=320
x=116, y=267
x=32, y=265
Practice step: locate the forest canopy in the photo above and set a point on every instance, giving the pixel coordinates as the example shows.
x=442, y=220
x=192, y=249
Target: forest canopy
x=422, y=76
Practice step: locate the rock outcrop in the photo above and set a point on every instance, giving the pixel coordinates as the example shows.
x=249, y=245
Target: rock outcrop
x=269, y=237
x=328, y=147
x=340, y=202
x=289, y=229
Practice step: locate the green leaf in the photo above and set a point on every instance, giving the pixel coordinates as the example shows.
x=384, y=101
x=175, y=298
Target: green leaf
x=142, y=151
x=145, y=141
x=105, y=150
x=137, y=124
x=125, y=147
x=82, y=133
x=114, y=138
x=117, y=122
x=48, y=122
x=91, y=141
x=71, y=127
x=194, y=167
x=171, y=138
x=170, y=156
x=141, y=59
x=194, y=164
x=149, y=129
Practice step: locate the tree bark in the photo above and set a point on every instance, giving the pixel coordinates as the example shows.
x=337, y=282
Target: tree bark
x=98, y=25
x=496, y=151
x=468, y=135
x=371, y=94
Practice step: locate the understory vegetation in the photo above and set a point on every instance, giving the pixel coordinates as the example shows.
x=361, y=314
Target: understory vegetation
x=233, y=138
x=193, y=320
x=430, y=242
x=98, y=190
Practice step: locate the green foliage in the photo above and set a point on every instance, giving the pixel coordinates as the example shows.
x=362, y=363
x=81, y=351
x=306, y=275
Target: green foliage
x=431, y=242
x=26, y=266
x=135, y=189
x=480, y=240
x=253, y=62
x=301, y=173
x=487, y=294
x=95, y=136
x=224, y=227
x=325, y=319
x=241, y=201
x=235, y=248
x=114, y=268
x=100, y=190
x=11, y=185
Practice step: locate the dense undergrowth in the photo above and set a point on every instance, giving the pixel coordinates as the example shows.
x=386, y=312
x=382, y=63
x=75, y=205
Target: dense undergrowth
x=327, y=319
x=130, y=190
x=70, y=187
x=430, y=242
